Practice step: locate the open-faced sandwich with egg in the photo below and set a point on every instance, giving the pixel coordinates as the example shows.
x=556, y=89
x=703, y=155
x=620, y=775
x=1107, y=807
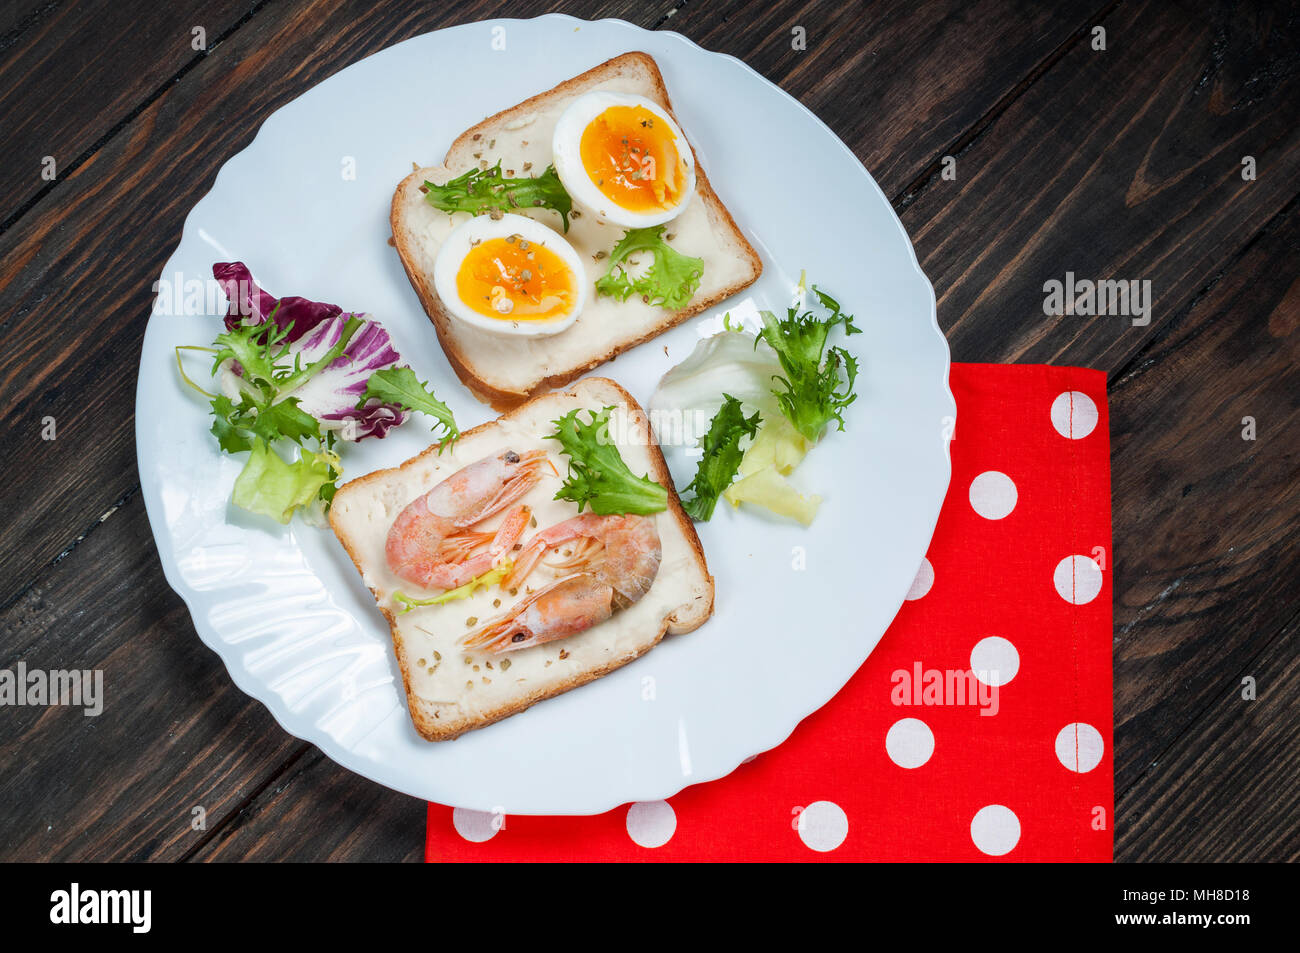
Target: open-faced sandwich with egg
x=540, y=551
x=565, y=230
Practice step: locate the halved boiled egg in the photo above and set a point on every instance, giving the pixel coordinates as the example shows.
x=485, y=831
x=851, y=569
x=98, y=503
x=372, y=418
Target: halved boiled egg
x=624, y=158
x=510, y=275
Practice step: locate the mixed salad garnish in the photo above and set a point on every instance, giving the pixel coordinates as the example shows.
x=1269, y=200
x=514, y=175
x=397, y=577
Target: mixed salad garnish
x=302, y=375
x=794, y=384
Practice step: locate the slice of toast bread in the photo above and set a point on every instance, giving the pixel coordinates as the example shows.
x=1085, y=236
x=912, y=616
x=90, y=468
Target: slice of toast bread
x=504, y=371
x=451, y=690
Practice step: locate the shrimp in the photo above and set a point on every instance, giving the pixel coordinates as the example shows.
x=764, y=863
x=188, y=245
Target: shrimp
x=432, y=542
x=616, y=562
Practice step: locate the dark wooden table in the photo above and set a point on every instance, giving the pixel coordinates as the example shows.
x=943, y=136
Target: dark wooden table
x=1123, y=162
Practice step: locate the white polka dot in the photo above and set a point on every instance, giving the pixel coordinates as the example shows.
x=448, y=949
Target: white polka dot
x=1074, y=415
x=994, y=660
x=651, y=823
x=823, y=825
x=923, y=581
x=993, y=495
x=476, y=826
x=1077, y=579
x=995, y=830
x=1079, y=747
x=910, y=742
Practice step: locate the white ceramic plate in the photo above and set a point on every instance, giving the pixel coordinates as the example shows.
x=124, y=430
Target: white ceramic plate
x=285, y=609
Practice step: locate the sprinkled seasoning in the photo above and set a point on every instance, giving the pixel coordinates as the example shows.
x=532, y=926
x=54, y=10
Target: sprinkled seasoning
x=469, y=684
x=437, y=656
x=472, y=620
x=496, y=603
x=505, y=664
x=564, y=653
x=421, y=662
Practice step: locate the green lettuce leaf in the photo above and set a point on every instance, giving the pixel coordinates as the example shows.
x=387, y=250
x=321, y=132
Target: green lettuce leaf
x=489, y=578
x=812, y=392
x=399, y=385
x=722, y=456
x=598, y=475
x=482, y=190
x=669, y=282
x=274, y=488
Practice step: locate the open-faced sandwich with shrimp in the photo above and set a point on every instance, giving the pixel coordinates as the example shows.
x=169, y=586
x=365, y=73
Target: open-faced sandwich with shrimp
x=538, y=552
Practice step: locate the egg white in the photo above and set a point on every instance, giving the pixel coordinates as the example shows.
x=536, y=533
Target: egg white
x=446, y=267
x=566, y=153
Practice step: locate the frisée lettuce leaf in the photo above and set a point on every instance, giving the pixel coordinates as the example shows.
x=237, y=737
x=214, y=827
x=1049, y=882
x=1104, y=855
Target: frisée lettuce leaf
x=722, y=457
x=487, y=190
x=669, y=282
x=598, y=476
x=817, y=383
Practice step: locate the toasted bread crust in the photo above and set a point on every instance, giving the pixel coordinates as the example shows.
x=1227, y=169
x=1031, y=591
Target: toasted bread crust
x=500, y=399
x=425, y=717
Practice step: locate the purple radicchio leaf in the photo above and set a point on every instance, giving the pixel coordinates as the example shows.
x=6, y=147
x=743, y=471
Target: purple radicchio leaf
x=250, y=304
x=331, y=395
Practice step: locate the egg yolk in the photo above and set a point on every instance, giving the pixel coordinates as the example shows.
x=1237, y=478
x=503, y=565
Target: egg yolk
x=631, y=155
x=517, y=280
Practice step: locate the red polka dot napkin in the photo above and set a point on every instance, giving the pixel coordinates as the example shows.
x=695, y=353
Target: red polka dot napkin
x=979, y=728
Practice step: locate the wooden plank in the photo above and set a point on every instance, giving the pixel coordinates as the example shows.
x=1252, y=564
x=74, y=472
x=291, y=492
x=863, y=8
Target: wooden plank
x=901, y=83
x=17, y=18
x=73, y=71
x=174, y=733
x=318, y=811
x=1206, y=551
x=1122, y=164
x=79, y=267
x=1229, y=788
